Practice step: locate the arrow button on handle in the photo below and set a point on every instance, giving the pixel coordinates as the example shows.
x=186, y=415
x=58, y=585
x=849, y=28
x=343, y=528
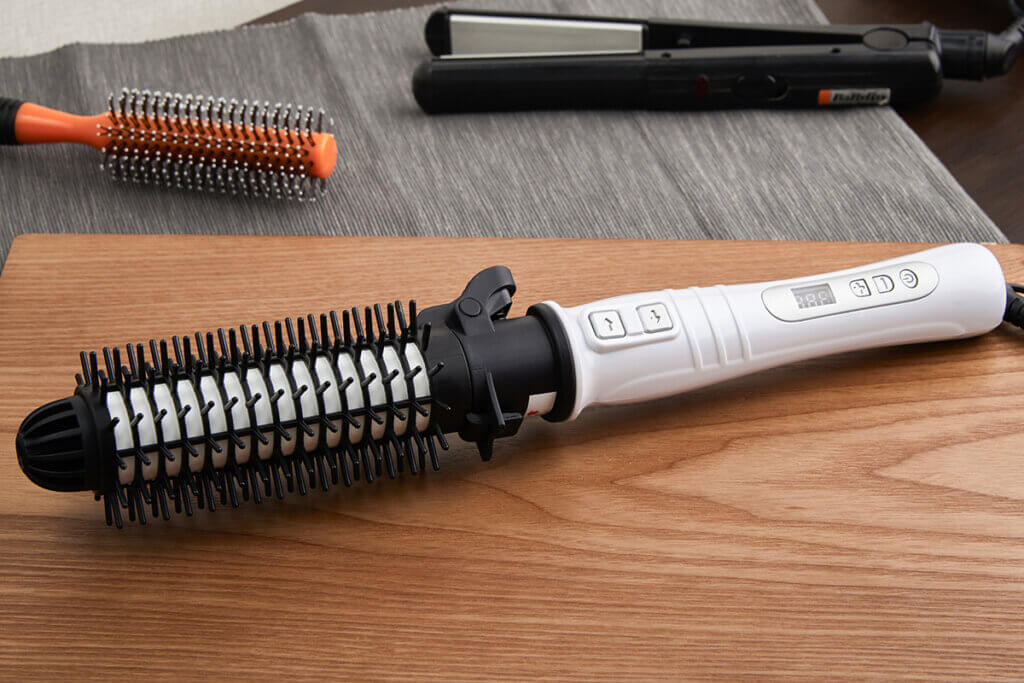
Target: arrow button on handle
x=655, y=317
x=607, y=324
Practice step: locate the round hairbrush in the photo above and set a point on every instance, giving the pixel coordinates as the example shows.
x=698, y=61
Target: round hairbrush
x=259, y=411
x=189, y=142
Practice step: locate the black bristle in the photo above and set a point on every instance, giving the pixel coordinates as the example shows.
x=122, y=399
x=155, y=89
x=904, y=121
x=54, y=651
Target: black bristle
x=189, y=358
x=211, y=351
x=368, y=315
x=348, y=337
x=360, y=337
x=246, y=344
x=117, y=366
x=254, y=486
x=233, y=346
x=367, y=465
x=276, y=475
x=93, y=367
x=410, y=457
x=323, y=330
x=336, y=328
x=222, y=340
x=383, y=328
x=257, y=346
x=268, y=338
x=279, y=338
x=303, y=342
x=155, y=356
x=109, y=362
x=85, y=377
x=178, y=354
x=403, y=328
x=200, y=350
x=314, y=335
x=290, y=328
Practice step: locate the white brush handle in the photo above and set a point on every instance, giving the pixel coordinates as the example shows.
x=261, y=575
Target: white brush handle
x=644, y=346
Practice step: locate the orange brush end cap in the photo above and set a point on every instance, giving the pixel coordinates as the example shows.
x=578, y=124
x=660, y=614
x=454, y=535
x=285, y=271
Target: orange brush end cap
x=324, y=155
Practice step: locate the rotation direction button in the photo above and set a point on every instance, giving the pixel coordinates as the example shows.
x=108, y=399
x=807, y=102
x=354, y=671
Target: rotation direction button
x=655, y=317
x=607, y=324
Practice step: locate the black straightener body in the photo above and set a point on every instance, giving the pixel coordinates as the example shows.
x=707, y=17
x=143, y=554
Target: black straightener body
x=495, y=61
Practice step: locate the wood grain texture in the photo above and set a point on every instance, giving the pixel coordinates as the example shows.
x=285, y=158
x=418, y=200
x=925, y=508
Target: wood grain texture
x=860, y=515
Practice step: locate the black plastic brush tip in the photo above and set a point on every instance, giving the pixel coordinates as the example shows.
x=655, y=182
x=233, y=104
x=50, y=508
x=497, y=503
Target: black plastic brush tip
x=56, y=446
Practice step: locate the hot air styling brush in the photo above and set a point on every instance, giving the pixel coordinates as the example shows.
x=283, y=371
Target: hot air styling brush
x=188, y=142
x=258, y=411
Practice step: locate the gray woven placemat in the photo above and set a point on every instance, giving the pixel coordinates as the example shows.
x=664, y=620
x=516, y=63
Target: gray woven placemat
x=856, y=174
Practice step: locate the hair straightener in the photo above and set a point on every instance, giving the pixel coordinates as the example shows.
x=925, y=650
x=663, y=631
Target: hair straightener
x=240, y=415
x=492, y=61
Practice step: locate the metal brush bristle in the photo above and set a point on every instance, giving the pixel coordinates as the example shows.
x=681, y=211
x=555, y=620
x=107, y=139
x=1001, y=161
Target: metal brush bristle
x=214, y=145
x=240, y=415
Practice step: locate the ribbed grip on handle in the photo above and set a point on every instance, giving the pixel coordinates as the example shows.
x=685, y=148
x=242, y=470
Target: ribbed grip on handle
x=8, y=112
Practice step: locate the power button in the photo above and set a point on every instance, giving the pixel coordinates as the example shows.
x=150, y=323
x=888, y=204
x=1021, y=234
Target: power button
x=908, y=277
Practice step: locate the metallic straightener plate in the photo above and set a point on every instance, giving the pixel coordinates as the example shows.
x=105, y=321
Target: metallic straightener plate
x=474, y=36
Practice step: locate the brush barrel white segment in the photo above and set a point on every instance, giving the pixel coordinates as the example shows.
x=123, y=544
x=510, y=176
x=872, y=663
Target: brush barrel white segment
x=354, y=370
x=645, y=346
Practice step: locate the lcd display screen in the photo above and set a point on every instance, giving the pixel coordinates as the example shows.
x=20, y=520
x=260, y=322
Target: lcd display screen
x=813, y=296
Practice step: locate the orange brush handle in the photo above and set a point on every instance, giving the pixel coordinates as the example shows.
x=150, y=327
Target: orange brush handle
x=35, y=125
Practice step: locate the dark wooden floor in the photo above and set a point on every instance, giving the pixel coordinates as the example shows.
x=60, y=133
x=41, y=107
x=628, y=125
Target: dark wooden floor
x=976, y=129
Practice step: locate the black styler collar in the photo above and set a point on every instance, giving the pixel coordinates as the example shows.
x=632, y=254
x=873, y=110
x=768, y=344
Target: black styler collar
x=502, y=60
x=494, y=364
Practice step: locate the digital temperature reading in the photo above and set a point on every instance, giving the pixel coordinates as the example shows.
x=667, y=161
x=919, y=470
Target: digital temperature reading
x=815, y=295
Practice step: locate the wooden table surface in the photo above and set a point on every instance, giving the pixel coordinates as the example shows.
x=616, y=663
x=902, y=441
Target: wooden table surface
x=861, y=515
x=974, y=128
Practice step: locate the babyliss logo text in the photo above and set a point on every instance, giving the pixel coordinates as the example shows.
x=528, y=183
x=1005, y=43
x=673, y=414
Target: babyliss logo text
x=854, y=97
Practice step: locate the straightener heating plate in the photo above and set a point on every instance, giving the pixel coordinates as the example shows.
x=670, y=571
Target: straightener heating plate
x=480, y=36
